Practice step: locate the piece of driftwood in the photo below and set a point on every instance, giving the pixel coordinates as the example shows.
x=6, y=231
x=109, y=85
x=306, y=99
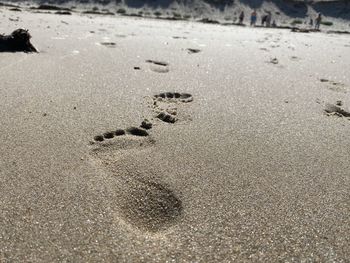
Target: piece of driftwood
x=17, y=41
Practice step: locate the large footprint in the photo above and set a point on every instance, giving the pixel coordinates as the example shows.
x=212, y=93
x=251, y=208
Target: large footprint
x=145, y=204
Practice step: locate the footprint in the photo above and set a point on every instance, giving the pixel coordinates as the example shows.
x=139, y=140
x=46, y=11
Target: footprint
x=158, y=66
x=193, y=50
x=335, y=86
x=143, y=203
x=160, y=63
x=163, y=105
x=108, y=44
x=273, y=61
x=294, y=58
x=178, y=37
x=337, y=110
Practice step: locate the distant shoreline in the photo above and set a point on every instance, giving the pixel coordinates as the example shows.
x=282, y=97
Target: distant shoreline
x=64, y=10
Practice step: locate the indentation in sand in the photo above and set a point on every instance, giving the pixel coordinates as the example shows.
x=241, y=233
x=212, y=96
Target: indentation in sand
x=335, y=86
x=151, y=206
x=337, y=110
x=174, y=96
x=146, y=124
x=164, y=105
x=146, y=205
x=158, y=66
x=193, y=50
x=136, y=131
x=274, y=61
x=108, y=44
x=179, y=37
x=166, y=117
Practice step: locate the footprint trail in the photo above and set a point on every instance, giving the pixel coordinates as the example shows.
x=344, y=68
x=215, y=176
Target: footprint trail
x=143, y=203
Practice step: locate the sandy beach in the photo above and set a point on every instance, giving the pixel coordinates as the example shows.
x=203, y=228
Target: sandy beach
x=255, y=168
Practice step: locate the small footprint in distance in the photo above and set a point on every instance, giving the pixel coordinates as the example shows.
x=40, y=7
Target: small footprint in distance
x=158, y=66
x=164, y=105
x=193, y=50
x=108, y=44
x=337, y=110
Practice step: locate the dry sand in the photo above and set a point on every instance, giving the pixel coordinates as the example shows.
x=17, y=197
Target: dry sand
x=252, y=170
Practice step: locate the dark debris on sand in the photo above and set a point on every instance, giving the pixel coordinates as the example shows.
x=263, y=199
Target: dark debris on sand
x=17, y=41
x=136, y=131
x=51, y=7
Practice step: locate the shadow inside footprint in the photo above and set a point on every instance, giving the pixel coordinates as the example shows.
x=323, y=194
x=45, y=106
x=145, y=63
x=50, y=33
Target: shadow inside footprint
x=166, y=117
x=108, y=44
x=183, y=97
x=193, y=50
x=136, y=131
x=336, y=110
x=158, y=66
x=119, y=132
x=150, y=206
x=159, y=63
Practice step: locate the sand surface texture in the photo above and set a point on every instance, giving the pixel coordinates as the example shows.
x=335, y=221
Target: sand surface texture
x=254, y=168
